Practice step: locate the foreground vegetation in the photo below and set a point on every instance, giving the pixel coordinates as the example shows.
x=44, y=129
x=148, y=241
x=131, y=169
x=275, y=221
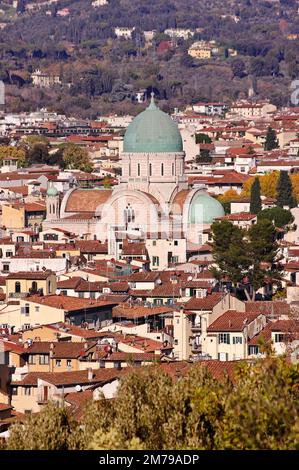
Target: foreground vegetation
x=256, y=409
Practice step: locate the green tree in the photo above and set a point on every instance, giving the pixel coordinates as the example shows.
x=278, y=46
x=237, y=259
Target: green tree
x=281, y=217
x=76, y=158
x=285, y=195
x=254, y=408
x=238, y=68
x=202, y=138
x=7, y=151
x=262, y=249
x=51, y=429
x=255, y=197
x=271, y=141
x=229, y=249
x=239, y=253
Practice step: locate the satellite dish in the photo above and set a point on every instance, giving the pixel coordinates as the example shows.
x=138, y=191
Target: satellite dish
x=159, y=281
x=189, y=278
x=78, y=388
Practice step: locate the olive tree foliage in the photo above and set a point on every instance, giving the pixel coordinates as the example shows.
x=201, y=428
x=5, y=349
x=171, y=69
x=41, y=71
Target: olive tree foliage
x=256, y=409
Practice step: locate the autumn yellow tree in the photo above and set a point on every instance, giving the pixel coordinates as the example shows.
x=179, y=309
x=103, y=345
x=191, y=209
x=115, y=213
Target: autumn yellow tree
x=295, y=184
x=229, y=195
x=268, y=184
x=8, y=151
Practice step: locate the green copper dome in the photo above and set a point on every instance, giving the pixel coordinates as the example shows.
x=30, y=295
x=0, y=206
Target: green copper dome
x=52, y=191
x=204, y=209
x=153, y=131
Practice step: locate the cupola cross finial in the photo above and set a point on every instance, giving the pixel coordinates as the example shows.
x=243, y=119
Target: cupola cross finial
x=152, y=103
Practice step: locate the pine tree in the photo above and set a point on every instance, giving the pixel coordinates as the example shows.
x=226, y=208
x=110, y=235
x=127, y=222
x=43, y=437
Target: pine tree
x=21, y=6
x=271, y=140
x=285, y=196
x=255, y=197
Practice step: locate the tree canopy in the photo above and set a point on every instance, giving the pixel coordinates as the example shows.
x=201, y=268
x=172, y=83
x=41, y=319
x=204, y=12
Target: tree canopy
x=271, y=141
x=285, y=195
x=76, y=158
x=281, y=217
x=254, y=408
x=255, y=197
x=240, y=253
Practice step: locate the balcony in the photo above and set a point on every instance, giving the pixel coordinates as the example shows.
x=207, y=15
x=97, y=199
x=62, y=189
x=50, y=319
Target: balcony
x=196, y=328
x=196, y=348
x=42, y=400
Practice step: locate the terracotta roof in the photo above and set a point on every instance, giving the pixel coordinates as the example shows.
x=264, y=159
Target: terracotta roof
x=91, y=246
x=70, y=283
x=78, y=401
x=134, y=357
x=180, y=199
x=138, y=311
x=287, y=326
x=265, y=334
x=232, y=321
x=134, y=249
x=167, y=289
x=240, y=216
x=35, y=275
x=69, y=378
x=218, y=369
x=73, y=330
x=94, y=286
x=62, y=349
x=206, y=303
x=290, y=328
x=5, y=407
x=87, y=200
x=68, y=303
x=268, y=307
x=150, y=276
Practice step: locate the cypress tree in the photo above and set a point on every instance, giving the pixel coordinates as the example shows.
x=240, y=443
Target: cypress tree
x=255, y=197
x=271, y=141
x=285, y=196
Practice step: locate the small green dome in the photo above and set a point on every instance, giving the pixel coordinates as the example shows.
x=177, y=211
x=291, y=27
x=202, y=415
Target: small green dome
x=52, y=191
x=153, y=131
x=204, y=209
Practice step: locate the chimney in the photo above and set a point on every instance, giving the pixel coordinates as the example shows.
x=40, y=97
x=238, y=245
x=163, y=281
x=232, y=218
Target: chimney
x=85, y=345
x=89, y=374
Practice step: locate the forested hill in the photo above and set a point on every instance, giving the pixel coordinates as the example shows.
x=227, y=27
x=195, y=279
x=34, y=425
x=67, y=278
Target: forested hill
x=77, y=41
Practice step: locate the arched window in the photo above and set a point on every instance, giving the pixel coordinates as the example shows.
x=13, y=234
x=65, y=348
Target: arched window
x=34, y=286
x=129, y=215
x=17, y=287
x=162, y=169
x=138, y=169
x=173, y=169
x=150, y=169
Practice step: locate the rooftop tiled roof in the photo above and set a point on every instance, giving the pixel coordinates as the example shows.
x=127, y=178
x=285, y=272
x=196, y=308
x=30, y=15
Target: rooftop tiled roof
x=69, y=378
x=206, y=303
x=276, y=307
x=62, y=349
x=87, y=200
x=68, y=303
x=138, y=311
x=232, y=321
x=241, y=216
x=218, y=369
x=35, y=275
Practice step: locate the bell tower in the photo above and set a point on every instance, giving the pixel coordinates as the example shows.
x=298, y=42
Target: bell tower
x=52, y=203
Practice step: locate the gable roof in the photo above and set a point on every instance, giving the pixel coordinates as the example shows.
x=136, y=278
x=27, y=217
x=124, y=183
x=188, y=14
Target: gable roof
x=205, y=303
x=69, y=378
x=232, y=321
